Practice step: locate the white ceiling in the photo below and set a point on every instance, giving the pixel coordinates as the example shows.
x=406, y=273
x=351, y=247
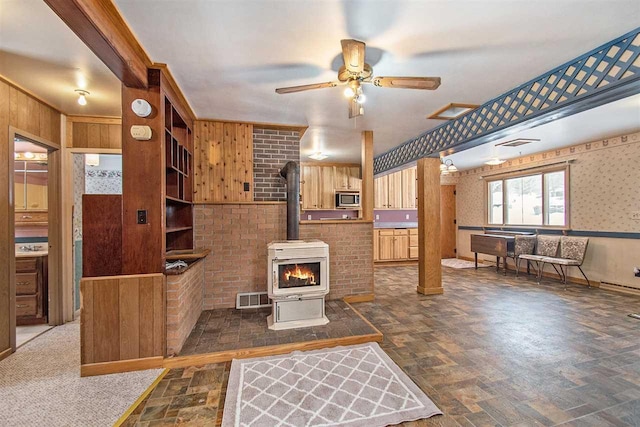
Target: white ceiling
x=41, y=54
x=229, y=56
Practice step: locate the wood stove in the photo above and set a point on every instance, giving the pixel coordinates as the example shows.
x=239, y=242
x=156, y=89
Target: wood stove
x=298, y=283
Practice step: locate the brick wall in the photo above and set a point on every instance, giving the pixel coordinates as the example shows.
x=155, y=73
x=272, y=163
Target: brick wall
x=272, y=149
x=350, y=256
x=238, y=234
x=184, y=305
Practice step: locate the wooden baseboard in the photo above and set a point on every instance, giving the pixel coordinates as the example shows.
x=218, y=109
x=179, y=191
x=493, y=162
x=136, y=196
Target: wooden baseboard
x=395, y=263
x=6, y=353
x=102, y=368
x=139, y=400
x=359, y=298
x=272, y=350
x=429, y=291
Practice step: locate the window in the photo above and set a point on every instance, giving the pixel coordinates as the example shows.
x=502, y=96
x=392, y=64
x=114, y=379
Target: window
x=536, y=199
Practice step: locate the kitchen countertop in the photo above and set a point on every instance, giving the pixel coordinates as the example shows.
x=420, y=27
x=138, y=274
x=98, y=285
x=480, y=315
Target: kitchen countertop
x=379, y=224
x=42, y=250
x=31, y=254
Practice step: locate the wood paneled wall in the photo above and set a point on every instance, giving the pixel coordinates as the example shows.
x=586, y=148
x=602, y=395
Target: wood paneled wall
x=223, y=162
x=94, y=132
x=26, y=113
x=122, y=318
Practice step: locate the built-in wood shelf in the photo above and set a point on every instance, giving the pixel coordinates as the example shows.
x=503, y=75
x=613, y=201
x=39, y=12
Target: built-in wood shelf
x=176, y=229
x=187, y=254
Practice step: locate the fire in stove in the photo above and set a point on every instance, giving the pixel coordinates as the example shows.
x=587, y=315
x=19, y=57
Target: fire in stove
x=296, y=275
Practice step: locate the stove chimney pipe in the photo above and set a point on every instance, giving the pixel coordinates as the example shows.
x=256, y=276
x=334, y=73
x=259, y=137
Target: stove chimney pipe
x=291, y=171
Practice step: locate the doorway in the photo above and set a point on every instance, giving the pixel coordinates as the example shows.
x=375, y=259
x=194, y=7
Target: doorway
x=34, y=186
x=448, y=221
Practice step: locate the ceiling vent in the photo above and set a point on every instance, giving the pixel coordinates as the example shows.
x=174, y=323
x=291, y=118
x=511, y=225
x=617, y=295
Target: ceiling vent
x=452, y=111
x=517, y=142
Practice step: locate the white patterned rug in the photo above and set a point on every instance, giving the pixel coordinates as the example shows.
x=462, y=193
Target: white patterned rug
x=346, y=386
x=462, y=263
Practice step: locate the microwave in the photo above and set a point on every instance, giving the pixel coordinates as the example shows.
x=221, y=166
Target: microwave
x=347, y=199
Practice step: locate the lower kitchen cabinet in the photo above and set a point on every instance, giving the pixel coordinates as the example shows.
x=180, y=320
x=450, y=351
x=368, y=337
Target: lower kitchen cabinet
x=31, y=290
x=395, y=244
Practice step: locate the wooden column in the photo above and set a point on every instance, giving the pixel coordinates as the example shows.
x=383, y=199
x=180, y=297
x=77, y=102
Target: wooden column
x=430, y=269
x=366, y=195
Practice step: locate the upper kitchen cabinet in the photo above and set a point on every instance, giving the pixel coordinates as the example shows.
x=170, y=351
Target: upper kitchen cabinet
x=347, y=178
x=317, y=187
x=30, y=185
x=396, y=190
x=409, y=191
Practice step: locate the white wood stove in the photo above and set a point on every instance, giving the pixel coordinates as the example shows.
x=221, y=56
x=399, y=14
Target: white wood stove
x=298, y=283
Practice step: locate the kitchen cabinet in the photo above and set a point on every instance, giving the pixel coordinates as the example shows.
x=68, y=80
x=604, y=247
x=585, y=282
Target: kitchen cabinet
x=395, y=244
x=396, y=190
x=31, y=290
x=347, y=178
x=413, y=243
x=376, y=245
x=318, y=184
x=385, y=242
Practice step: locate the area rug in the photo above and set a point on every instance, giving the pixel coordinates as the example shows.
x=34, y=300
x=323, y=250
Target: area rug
x=461, y=263
x=346, y=386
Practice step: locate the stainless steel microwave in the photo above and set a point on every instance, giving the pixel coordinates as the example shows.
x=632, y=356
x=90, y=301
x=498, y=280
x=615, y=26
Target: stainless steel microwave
x=347, y=199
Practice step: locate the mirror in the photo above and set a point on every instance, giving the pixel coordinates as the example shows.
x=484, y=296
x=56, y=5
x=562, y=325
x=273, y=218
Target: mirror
x=30, y=177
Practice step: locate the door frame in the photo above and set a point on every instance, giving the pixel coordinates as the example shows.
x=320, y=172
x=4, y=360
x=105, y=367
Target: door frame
x=69, y=313
x=54, y=211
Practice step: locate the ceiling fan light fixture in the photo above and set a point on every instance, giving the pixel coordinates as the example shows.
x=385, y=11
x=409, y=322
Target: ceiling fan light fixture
x=360, y=99
x=348, y=92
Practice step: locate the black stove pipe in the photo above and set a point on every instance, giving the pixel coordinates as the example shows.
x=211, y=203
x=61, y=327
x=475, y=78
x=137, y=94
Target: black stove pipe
x=291, y=171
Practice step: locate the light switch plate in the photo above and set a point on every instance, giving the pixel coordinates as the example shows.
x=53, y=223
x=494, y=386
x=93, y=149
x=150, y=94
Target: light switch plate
x=406, y=216
x=377, y=216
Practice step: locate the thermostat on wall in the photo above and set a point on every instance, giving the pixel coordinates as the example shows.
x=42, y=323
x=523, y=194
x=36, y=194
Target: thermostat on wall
x=141, y=133
x=141, y=108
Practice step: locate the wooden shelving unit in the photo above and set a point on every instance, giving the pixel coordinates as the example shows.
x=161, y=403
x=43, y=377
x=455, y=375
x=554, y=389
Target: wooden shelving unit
x=178, y=141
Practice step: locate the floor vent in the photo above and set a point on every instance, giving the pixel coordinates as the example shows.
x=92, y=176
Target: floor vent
x=252, y=300
x=620, y=288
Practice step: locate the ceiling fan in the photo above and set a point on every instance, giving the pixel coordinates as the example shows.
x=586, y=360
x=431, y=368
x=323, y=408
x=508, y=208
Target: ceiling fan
x=355, y=72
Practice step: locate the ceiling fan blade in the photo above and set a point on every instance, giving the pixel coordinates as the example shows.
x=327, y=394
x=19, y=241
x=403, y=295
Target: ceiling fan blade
x=292, y=89
x=353, y=55
x=427, y=83
x=355, y=109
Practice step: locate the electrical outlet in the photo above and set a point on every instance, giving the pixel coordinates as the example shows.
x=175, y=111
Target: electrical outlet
x=636, y=271
x=635, y=215
x=309, y=217
x=345, y=216
x=406, y=216
x=142, y=216
x=377, y=216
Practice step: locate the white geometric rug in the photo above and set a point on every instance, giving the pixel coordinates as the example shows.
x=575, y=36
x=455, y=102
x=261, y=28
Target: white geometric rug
x=461, y=263
x=346, y=386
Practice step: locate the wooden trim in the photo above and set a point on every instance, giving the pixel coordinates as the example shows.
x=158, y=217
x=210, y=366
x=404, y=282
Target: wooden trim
x=262, y=125
x=172, y=89
x=4, y=354
x=335, y=221
x=139, y=400
x=226, y=356
x=103, y=368
x=436, y=114
x=100, y=26
x=107, y=120
x=377, y=331
x=241, y=203
x=402, y=262
x=359, y=298
x=429, y=227
x=74, y=150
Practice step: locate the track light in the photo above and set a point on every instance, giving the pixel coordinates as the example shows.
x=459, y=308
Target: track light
x=82, y=96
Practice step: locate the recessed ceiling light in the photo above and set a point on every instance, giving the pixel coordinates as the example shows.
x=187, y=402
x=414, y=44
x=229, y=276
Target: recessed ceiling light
x=318, y=156
x=452, y=111
x=494, y=162
x=517, y=142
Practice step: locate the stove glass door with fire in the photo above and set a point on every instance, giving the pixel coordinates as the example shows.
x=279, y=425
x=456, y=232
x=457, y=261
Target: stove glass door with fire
x=299, y=276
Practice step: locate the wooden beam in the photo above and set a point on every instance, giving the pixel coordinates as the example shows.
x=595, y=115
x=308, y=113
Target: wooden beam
x=366, y=195
x=429, y=263
x=100, y=26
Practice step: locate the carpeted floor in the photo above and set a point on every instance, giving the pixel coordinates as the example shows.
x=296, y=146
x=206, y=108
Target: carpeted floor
x=40, y=385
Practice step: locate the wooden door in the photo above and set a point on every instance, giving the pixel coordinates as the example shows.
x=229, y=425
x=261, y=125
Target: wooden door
x=385, y=243
x=310, y=187
x=381, y=192
x=354, y=180
x=448, y=220
x=395, y=191
x=327, y=191
x=401, y=245
x=409, y=191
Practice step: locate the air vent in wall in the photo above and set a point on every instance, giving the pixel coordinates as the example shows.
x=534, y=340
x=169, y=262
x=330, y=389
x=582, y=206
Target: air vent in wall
x=252, y=300
x=517, y=142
